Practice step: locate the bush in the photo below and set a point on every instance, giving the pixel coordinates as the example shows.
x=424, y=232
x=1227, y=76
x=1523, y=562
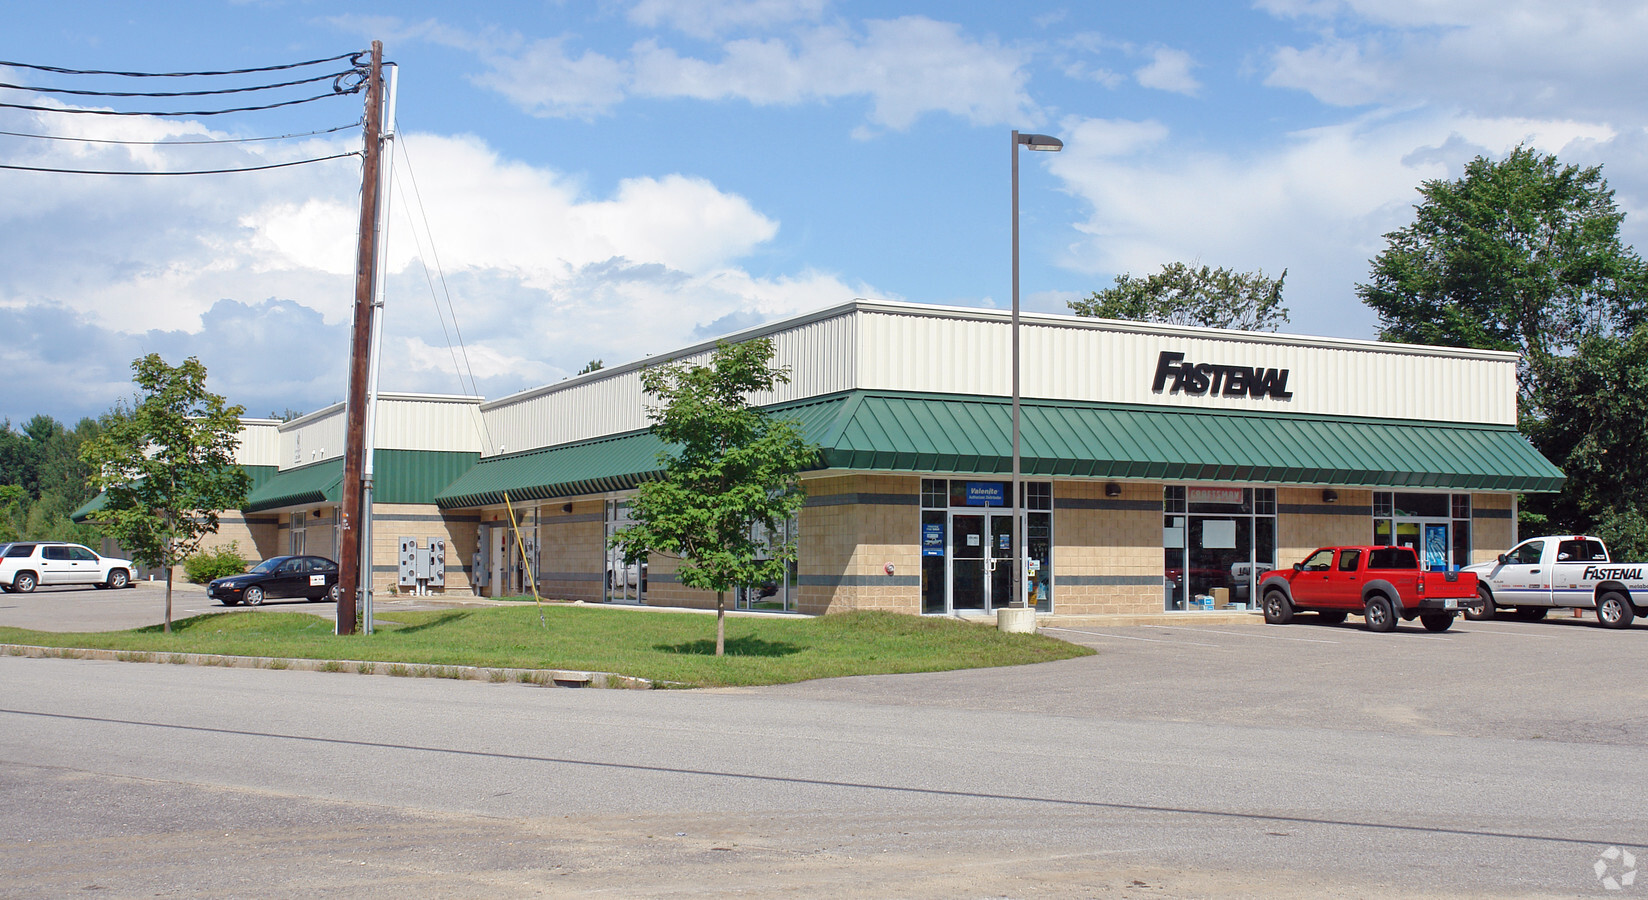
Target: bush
x=219, y=563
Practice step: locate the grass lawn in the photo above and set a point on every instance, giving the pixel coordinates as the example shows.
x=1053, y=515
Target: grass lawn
x=662, y=646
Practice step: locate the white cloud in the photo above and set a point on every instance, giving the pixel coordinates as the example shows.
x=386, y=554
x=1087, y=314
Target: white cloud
x=1514, y=57
x=1317, y=205
x=254, y=274
x=547, y=81
x=1169, y=70
x=905, y=67
x=709, y=18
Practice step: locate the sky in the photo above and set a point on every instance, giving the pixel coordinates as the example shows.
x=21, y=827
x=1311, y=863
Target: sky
x=608, y=179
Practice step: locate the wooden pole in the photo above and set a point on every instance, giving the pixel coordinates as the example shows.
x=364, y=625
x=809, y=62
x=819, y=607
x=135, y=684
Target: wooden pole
x=354, y=444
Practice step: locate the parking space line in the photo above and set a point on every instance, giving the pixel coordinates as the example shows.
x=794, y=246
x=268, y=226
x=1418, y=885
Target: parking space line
x=1268, y=637
x=1475, y=629
x=1128, y=637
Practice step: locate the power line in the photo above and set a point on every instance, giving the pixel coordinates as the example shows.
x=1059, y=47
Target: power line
x=354, y=59
x=238, y=90
x=276, y=137
x=298, y=162
x=197, y=112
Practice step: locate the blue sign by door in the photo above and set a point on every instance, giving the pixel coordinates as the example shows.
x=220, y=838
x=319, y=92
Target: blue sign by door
x=986, y=493
x=1436, y=547
x=932, y=539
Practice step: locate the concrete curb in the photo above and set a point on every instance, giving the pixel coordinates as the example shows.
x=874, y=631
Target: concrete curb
x=543, y=677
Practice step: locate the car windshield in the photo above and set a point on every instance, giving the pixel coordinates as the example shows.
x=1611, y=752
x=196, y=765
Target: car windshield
x=265, y=567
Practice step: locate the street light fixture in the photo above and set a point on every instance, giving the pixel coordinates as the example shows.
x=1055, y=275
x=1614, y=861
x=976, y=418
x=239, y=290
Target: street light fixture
x=1020, y=545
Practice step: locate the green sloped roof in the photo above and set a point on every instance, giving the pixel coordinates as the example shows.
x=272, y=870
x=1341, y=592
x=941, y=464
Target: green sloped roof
x=303, y=486
x=878, y=431
x=400, y=476
x=260, y=475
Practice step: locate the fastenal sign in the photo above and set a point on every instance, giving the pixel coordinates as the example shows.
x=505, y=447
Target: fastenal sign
x=1197, y=379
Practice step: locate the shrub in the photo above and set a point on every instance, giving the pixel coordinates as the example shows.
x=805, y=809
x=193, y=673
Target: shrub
x=219, y=563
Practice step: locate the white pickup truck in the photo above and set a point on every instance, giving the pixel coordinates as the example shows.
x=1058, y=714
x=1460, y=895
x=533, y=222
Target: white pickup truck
x=1562, y=572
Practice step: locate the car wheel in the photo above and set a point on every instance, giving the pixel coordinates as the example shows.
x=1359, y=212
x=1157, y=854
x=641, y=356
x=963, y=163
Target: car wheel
x=334, y=593
x=1486, y=611
x=1614, y=610
x=253, y=596
x=24, y=582
x=117, y=579
x=1436, y=621
x=1330, y=618
x=1380, y=615
x=1278, y=611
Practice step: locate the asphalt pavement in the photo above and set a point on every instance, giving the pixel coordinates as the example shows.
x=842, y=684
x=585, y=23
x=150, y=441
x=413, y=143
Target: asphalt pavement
x=1498, y=760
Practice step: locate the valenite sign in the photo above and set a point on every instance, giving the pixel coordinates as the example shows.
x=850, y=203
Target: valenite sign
x=1197, y=379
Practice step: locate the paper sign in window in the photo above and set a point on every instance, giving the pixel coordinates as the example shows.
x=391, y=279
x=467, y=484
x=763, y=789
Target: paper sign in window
x=1218, y=534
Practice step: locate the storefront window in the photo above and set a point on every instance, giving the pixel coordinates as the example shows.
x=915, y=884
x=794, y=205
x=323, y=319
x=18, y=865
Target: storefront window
x=626, y=582
x=967, y=545
x=1217, y=542
x=1437, y=526
x=778, y=595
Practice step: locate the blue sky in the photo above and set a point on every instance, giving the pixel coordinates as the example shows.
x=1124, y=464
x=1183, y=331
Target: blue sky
x=612, y=178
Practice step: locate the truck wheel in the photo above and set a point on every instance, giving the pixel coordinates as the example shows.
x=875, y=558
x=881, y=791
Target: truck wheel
x=1436, y=621
x=1486, y=612
x=1278, y=611
x=1330, y=618
x=1614, y=610
x=1380, y=615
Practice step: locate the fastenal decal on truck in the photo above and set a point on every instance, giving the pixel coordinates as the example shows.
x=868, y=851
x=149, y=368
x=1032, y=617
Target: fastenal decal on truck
x=1562, y=572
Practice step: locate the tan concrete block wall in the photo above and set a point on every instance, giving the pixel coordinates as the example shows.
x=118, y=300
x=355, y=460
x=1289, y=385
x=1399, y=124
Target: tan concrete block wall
x=849, y=546
x=422, y=521
x=572, y=554
x=1491, y=536
x=1106, y=543
x=255, y=536
x=1346, y=522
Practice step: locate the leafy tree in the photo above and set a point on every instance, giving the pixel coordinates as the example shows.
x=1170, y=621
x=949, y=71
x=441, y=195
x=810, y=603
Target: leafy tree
x=1520, y=254
x=13, y=515
x=731, y=467
x=593, y=365
x=167, y=465
x=1183, y=295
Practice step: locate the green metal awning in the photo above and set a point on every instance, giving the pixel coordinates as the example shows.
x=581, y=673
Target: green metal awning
x=877, y=431
x=400, y=476
x=313, y=484
x=260, y=475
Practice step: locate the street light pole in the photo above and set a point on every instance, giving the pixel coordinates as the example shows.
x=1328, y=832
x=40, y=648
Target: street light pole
x=1020, y=545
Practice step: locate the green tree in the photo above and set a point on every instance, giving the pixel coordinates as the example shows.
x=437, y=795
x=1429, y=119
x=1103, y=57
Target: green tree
x=167, y=465
x=730, y=468
x=1524, y=254
x=1519, y=254
x=1183, y=295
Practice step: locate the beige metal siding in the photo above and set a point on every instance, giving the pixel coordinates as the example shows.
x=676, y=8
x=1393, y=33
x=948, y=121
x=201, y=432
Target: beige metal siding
x=312, y=438
x=422, y=422
x=820, y=355
x=1070, y=359
x=259, y=442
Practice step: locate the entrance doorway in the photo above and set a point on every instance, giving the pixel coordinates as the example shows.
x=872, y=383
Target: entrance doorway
x=981, y=561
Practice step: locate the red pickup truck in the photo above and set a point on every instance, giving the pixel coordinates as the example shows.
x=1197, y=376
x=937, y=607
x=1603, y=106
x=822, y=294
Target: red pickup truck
x=1381, y=584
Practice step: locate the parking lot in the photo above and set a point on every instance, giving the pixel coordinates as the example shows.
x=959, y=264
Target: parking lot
x=1563, y=679
x=144, y=603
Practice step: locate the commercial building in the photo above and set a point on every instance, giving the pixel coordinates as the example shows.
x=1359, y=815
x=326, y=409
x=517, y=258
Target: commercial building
x=1165, y=468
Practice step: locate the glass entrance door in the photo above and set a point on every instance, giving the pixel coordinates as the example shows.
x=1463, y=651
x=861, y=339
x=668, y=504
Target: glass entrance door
x=1001, y=560
x=981, y=561
x=968, y=584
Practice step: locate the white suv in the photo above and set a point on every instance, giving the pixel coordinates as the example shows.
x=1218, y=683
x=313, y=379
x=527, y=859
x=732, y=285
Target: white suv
x=25, y=564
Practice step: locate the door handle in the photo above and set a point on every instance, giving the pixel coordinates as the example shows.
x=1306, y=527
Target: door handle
x=1534, y=572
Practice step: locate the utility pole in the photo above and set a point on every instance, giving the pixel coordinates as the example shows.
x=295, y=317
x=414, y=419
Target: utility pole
x=354, y=444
